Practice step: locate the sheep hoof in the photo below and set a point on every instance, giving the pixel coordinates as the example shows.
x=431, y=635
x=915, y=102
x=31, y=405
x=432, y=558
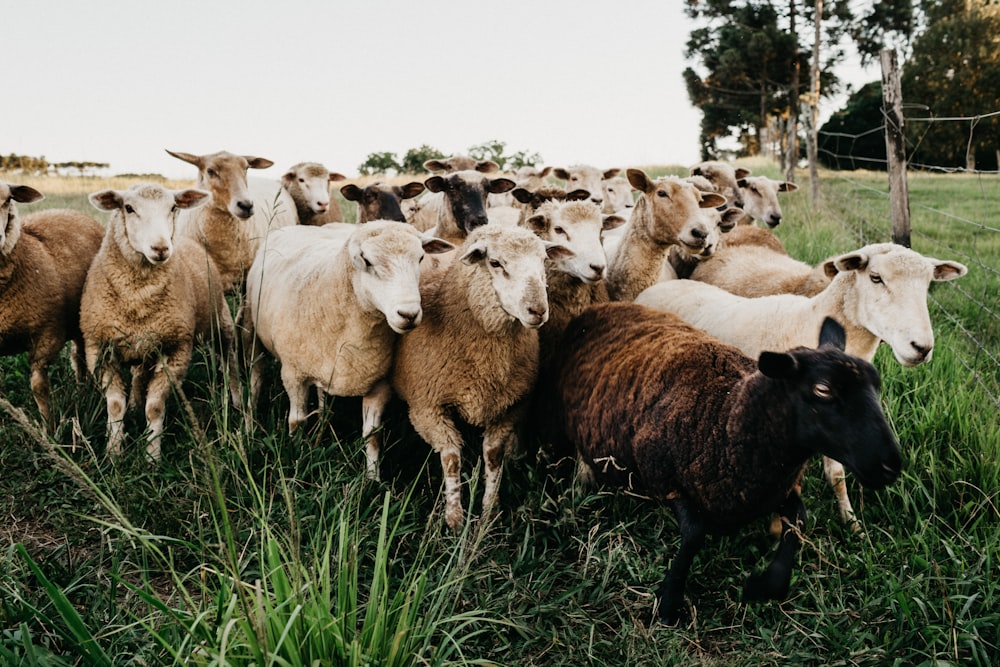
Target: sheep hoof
x=771, y=584
x=669, y=613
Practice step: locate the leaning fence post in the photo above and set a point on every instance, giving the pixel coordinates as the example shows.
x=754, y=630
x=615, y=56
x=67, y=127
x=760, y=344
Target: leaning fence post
x=892, y=109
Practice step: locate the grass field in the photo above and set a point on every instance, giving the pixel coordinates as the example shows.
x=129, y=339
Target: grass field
x=249, y=546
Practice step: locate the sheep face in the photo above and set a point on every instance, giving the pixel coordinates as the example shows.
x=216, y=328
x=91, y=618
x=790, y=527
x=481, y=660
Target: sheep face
x=309, y=184
x=675, y=211
x=531, y=178
x=380, y=200
x=577, y=226
x=465, y=195
x=723, y=179
x=513, y=259
x=617, y=194
x=461, y=163
x=587, y=178
x=386, y=256
x=887, y=295
x=224, y=175
x=10, y=230
x=760, y=198
x=143, y=218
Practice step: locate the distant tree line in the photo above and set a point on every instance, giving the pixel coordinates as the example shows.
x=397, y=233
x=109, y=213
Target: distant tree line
x=414, y=159
x=26, y=164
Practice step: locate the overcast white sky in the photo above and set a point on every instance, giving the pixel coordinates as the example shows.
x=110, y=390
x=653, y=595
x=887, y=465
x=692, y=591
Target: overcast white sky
x=119, y=81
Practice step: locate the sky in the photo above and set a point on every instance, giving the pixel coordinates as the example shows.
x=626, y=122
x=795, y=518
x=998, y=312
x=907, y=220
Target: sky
x=120, y=81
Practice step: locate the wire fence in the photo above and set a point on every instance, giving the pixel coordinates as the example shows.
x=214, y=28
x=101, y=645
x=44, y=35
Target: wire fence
x=954, y=214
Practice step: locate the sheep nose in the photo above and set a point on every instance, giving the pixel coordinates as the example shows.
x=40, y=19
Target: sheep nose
x=597, y=200
x=922, y=350
x=160, y=252
x=598, y=269
x=245, y=207
x=409, y=316
x=774, y=220
x=322, y=206
x=477, y=221
x=538, y=313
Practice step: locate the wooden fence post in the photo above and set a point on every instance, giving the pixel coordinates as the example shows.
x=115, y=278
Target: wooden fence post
x=892, y=109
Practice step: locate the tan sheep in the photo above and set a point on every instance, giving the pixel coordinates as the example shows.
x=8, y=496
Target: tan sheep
x=308, y=183
x=475, y=356
x=149, y=295
x=43, y=263
x=591, y=179
x=724, y=179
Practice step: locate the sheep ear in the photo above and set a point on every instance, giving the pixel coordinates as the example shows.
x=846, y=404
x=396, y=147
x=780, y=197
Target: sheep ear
x=187, y=157
x=730, y=217
x=830, y=268
x=106, y=200
x=639, y=180
x=561, y=173
x=948, y=270
x=577, y=195
x=358, y=259
x=556, y=251
x=25, y=194
x=832, y=334
x=191, y=198
x=434, y=183
x=742, y=182
x=499, y=185
x=778, y=365
x=522, y=195
x=351, y=192
x=435, y=246
x=711, y=200
x=696, y=170
x=411, y=189
x=787, y=187
x=335, y=176
x=611, y=173
x=435, y=165
x=742, y=173
x=538, y=223
x=854, y=261
x=257, y=162
x=287, y=178
x=475, y=253
x=487, y=167
x=545, y=172
x=611, y=222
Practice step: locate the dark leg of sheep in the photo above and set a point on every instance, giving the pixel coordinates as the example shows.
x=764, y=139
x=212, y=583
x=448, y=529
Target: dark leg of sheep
x=774, y=582
x=670, y=594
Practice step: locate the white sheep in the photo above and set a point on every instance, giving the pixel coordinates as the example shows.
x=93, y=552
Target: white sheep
x=380, y=200
x=618, y=196
x=760, y=198
x=308, y=184
x=667, y=212
x=724, y=179
x=461, y=163
x=591, y=179
x=879, y=294
x=328, y=303
x=43, y=263
x=240, y=213
x=149, y=295
x=475, y=356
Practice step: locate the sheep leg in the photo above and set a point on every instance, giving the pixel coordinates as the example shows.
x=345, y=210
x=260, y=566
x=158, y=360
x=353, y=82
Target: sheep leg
x=168, y=371
x=497, y=438
x=298, y=393
x=774, y=582
x=837, y=478
x=670, y=594
x=372, y=407
x=439, y=431
x=40, y=390
x=114, y=396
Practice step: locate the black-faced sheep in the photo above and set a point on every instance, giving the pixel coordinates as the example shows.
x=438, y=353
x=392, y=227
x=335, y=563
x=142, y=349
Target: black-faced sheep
x=457, y=204
x=656, y=406
x=148, y=297
x=308, y=183
x=43, y=263
x=380, y=200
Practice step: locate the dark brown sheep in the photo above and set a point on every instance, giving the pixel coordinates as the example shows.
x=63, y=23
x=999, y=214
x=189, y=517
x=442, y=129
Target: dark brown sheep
x=380, y=200
x=718, y=436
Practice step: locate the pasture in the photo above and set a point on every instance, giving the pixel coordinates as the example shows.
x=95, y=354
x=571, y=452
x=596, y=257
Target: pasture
x=246, y=545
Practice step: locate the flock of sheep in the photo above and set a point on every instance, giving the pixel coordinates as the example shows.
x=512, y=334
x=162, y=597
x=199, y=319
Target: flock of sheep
x=644, y=326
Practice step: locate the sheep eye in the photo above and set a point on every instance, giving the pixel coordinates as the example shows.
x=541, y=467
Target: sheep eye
x=662, y=193
x=559, y=230
x=875, y=278
x=495, y=263
x=822, y=390
x=302, y=180
x=129, y=209
x=211, y=173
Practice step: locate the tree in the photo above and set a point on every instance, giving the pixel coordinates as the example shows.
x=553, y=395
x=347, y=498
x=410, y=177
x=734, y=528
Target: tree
x=490, y=150
x=413, y=161
x=379, y=163
x=853, y=138
x=955, y=73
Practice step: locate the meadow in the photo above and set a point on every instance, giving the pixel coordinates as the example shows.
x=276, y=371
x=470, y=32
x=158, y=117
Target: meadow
x=249, y=546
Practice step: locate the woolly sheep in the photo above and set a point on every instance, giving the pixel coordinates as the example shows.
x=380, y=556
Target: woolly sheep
x=149, y=295
x=760, y=198
x=457, y=163
x=879, y=294
x=329, y=307
x=240, y=213
x=43, y=262
x=667, y=212
x=380, y=200
x=591, y=179
x=475, y=356
x=656, y=378
x=308, y=184
x=754, y=270
x=527, y=177
x=458, y=204
x=724, y=179
x=617, y=195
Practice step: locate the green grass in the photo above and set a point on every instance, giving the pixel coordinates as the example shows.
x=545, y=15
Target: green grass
x=249, y=546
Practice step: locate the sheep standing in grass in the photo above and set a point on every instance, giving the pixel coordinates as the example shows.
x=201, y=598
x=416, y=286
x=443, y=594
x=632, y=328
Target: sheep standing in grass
x=658, y=407
x=879, y=293
x=43, y=263
x=475, y=356
x=148, y=297
x=668, y=212
x=240, y=213
x=329, y=305
x=308, y=184
x=380, y=200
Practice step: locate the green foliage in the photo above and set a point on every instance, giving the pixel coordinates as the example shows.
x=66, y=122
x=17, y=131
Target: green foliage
x=413, y=161
x=24, y=164
x=496, y=150
x=853, y=138
x=379, y=163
